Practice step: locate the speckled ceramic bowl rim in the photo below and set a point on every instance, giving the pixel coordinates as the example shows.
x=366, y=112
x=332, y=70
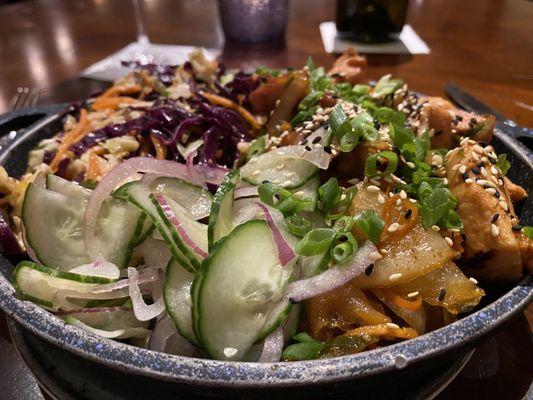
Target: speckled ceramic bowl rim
x=220, y=373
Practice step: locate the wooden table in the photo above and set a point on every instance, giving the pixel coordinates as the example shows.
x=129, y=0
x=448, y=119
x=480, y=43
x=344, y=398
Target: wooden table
x=485, y=46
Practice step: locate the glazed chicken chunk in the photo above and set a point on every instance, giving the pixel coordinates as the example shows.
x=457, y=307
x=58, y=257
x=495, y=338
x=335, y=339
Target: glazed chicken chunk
x=494, y=245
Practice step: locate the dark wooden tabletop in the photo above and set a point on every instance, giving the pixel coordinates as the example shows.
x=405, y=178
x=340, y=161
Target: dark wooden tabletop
x=486, y=46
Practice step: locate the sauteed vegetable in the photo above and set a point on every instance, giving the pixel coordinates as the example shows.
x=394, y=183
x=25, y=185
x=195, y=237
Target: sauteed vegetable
x=263, y=216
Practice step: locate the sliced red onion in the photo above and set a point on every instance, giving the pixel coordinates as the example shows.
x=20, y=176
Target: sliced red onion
x=185, y=151
x=245, y=191
x=195, y=175
x=285, y=252
x=8, y=241
x=128, y=169
x=165, y=207
x=273, y=346
x=142, y=311
x=124, y=333
x=164, y=328
x=334, y=277
x=92, y=310
x=102, y=269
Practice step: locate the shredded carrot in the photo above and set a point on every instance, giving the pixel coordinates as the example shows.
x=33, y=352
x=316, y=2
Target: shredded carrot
x=227, y=103
x=119, y=89
x=412, y=305
x=103, y=103
x=384, y=330
x=160, y=149
x=77, y=133
x=93, y=167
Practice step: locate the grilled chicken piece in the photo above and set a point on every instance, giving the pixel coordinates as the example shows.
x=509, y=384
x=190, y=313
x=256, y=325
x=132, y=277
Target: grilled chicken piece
x=263, y=99
x=349, y=67
x=494, y=248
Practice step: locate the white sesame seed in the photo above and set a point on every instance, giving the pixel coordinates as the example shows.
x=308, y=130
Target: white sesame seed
x=392, y=325
x=403, y=195
x=484, y=172
x=490, y=191
x=393, y=227
x=494, y=230
x=343, y=197
x=410, y=164
x=473, y=280
x=280, y=166
x=456, y=167
x=398, y=180
x=468, y=180
x=413, y=294
x=391, y=194
x=381, y=199
x=284, y=133
x=299, y=193
x=398, y=202
x=449, y=241
x=277, y=102
x=500, y=181
x=372, y=188
x=374, y=181
x=412, y=201
x=384, y=251
x=230, y=351
x=494, y=170
x=395, y=277
x=475, y=156
x=287, y=183
x=478, y=149
x=504, y=205
x=435, y=228
x=445, y=181
x=462, y=169
x=256, y=172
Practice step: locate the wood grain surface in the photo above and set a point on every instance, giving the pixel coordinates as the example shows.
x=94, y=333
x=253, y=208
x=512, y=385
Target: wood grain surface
x=486, y=46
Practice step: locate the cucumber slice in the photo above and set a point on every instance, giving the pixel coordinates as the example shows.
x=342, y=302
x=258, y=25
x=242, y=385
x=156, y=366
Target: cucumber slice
x=221, y=217
x=106, y=318
x=154, y=252
x=311, y=266
x=40, y=284
x=309, y=191
x=196, y=200
x=279, y=168
x=66, y=187
x=138, y=194
x=54, y=219
x=190, y=236
x=238, y=295
x=178, y=301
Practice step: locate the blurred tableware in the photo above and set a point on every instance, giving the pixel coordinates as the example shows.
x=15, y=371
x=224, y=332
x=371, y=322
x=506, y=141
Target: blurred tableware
x=143, y=53
x=25, y=97
x=254, y=21
x=371, y=21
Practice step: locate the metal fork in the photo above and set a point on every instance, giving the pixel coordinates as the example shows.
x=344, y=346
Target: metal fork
x=25, y=97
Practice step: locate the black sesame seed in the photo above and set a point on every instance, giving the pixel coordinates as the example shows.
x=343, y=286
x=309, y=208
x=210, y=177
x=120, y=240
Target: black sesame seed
x=516, y=227
x=476, y=170
x=305, y=141
x=327, y=149
x=473, y=120
x=494, y=218
x=442, y=293
x=463, y=236
x=369, y=269
x=408, y=213
x=493, y=160
x=316, y=140
x=439, y=132
x=480, y=164
x=308, y=148
x=265, y=181
x=277, y=196
x=497, y=194
x=465, y=176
